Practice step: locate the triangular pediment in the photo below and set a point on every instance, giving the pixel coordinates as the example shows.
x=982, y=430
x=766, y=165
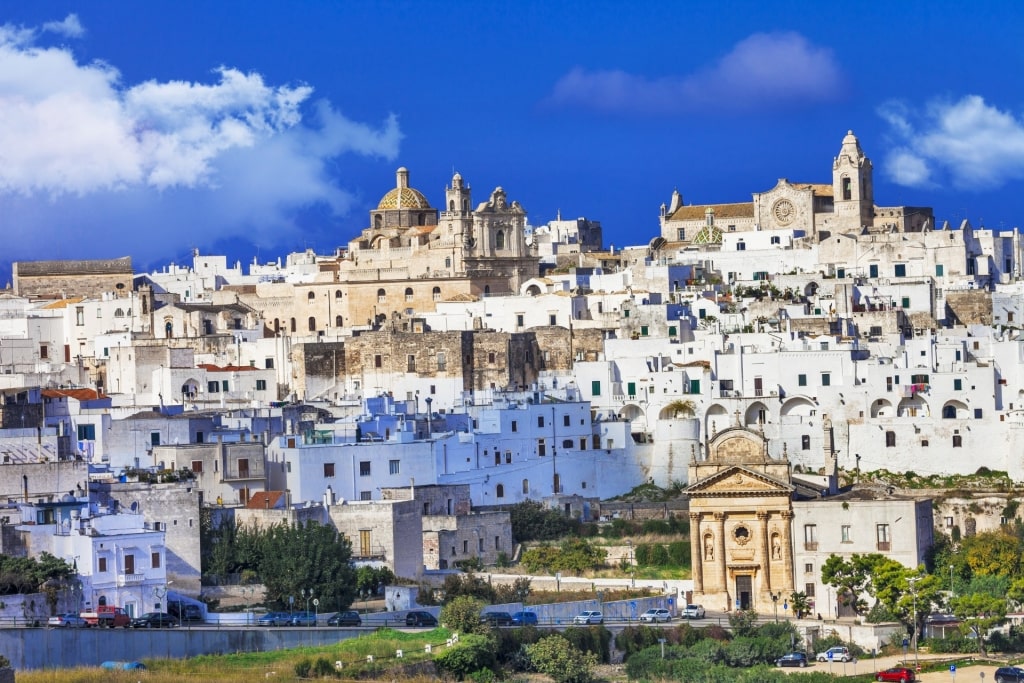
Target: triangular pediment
x=738, y=481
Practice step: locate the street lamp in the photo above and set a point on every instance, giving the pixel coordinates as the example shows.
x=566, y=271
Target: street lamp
x=913, y=591
x=632, y=569
x=159, y=592
x=775, y=604
x=308, y=595
x=247, y=593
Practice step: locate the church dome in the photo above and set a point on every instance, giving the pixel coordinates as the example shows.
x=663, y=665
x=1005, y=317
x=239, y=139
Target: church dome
x=403, y=196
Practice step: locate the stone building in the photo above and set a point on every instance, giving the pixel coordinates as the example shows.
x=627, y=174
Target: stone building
x=812, y=210
x=741, y=518
x=63, y=279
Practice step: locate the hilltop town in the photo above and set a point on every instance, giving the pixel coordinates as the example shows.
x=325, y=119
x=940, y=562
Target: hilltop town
x=818, y=373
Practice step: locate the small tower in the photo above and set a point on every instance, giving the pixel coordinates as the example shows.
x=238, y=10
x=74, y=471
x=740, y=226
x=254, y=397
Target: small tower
x=457, y=198
x=852, y=186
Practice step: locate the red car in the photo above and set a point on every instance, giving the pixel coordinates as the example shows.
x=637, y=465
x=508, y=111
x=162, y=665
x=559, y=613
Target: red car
x=899, y=674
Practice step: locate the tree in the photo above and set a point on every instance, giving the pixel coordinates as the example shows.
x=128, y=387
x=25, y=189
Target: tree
x=531, y=521
x=307, y=556
x=471, y=654
x=851, y=578
x=556, y=657
x=799, y=603
x=894, y=589
x=979, y=613
x=997, y=553
x=462, y=615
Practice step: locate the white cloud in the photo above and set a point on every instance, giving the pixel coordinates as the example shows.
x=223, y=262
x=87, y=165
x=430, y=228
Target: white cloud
x=968, y=144
x=71, y=27
x=763, y=71
x=201, y=161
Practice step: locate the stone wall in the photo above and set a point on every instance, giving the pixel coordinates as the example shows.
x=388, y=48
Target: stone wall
x=969, y=307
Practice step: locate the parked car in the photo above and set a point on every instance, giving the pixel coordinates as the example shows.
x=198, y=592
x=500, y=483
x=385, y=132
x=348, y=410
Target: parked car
x=303, y=619
x=70, y=620
x=658, y=614
x=524, y=619
x=350, y=618
x=899, y=674
x=185, y=611
x=155, y=620
x=418, y=618
x=836, y=654
x=589, y=617
x=792, y=659
x=496, y=618
x=274, y=619
x=1009, y=674
x=693, y=612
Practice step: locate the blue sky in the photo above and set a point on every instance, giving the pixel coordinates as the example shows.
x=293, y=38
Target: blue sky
x=259, y=128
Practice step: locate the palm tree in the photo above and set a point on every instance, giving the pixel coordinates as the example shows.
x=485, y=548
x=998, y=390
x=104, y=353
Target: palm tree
x=799, y=603
x=681, y=408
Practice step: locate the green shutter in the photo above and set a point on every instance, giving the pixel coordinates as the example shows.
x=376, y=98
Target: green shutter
x=595, y=388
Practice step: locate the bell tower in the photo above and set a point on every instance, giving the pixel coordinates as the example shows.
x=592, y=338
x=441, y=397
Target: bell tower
x=852, y=186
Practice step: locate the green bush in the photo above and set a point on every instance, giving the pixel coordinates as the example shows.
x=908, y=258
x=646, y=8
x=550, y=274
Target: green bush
x=633, y=639
x=462, y=615
x=596, y=640
x=303, y=667
x=556, y=657
x=659, y=555
x=642, y=555
x=957, y=643
x=679, y=553
x=471, y=654
x=323, y=667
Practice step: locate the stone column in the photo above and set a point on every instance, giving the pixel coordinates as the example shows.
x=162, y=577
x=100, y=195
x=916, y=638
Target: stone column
x=766, y=556
x=786, y=582
x=722, y=574
x=697, y=553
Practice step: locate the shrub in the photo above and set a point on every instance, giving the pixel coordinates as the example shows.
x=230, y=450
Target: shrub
x=323, y=667
x=556, y=657
x=633, y=639
x=303, y=667
x=643, y=555
x=659, y=555
x=594, y=639
x=679, y=553
x=462, y=615
x=471, y=654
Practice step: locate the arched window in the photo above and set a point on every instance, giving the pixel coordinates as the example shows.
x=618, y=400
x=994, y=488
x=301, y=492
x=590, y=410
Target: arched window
x=338, y=321
x=378, y=221
x=487, y=290
x=890, y=439
x=499, y=491
x=408, y=293
x=451, y=205
x=311, y=296
x=119, y=313
x=949, y=412
x=293, y=324
x=337, y=294
x=526, y=486
x=436, y=293
x=312, y=323
x=168, y=329
x=465, y=205
x=497, y=457
x=277, y=325
x=499, y=240
x=847, y=187
x=382, y=296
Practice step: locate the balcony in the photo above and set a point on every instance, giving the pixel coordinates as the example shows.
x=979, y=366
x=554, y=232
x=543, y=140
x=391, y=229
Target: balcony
x=130, y=579
x=810, y=545
x=884, y=546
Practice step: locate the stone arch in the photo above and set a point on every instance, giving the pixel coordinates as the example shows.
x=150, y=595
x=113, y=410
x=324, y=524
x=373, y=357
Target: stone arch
x=190, y=389
x=913, y=406
x=797, y=405
x=631, y=411
x=882, y=407
x=337, y=294
x=811, y=289
x=338, y=321
x=955, y=410
x=757, y=413
x=533, y=290
x=718, y=415
x=311, y=296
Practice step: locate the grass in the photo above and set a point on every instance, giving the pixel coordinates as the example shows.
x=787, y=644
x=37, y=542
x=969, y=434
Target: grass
x=278, y=665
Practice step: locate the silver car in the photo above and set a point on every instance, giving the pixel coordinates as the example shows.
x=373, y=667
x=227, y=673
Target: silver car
x=589, y=617
x=656, y=615
x=693, y=612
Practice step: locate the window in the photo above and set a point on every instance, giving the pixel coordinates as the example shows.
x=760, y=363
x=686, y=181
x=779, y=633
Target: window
x=644, y=330
x=465, y=547
x=261, y=385
x=845, y=534
x=905, y=302
x=44, y=352
x=949, y=522
x=79, y=315
x=882, y=536
x=567, y=444
x=540, y=420
x=809, y=568
x=154, y=438
x=499, y=491
x=552, y=319
x=364, y=468
x=213, y=387
x=515, y=426
x=86, y=432
x=826, y=379
x=497, y=457
x=154, y=559
x=411, y=363
x=741, y=246
x=508, y=457
x=924, y=443
x=873, y=270
x=777, y=240
x=672, y=331
x=519, y=320
x=366, y=495
x=890, y=439
x=129, y=564
x=526, y=486
x=497, y=542
x=378, y=361
x=197, y=466
x=408, y=294
x=541, y=447
x=565, y=420
x=958, y=441
x=900, y=270
x=801, y=380
x=810, y=536
x=394, y=466
x=809, y=590
x=490, y=358
x=102, y=564
x=805, y=442
x=595, y=388
x=224, y=385
x=268, y=364
x=328, y=469
x=680, y=234
x=382, y=296
x=436, y=293
x=938, y=270
x=978, y=413
x=442, y=361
